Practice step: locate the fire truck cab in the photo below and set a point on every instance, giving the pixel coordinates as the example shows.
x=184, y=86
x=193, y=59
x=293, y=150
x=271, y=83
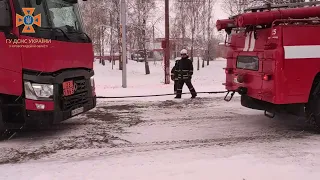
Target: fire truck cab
x=46, y=63
x=273, y=59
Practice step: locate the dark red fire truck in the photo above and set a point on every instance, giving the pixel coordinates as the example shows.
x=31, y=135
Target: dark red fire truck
x=46, y=66
x=273, y=59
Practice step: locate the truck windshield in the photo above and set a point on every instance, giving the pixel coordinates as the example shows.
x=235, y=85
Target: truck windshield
x=63, y=14
x=60, y=15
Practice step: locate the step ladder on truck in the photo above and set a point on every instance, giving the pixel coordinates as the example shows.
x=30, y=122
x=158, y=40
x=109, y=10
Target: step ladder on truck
x=273, y=59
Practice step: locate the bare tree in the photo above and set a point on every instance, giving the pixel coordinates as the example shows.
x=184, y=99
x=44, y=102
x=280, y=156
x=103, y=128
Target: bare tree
x=234, y=7
x=194, y=20
x=194, y=7
x=209, y=28
x=140, y=12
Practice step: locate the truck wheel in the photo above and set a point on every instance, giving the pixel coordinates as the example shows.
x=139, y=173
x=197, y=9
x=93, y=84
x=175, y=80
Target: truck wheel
x=312, y=108
x=2, y=125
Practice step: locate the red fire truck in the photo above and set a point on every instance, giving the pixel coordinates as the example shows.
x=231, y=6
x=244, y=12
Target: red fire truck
x=46, y=67
x=273, y=59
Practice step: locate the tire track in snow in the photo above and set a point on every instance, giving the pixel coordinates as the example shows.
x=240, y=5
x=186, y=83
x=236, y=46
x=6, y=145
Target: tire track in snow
x=93, y=132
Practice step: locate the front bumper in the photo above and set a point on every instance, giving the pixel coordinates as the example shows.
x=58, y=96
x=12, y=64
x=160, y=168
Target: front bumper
x=61, y=107
x=47, y=117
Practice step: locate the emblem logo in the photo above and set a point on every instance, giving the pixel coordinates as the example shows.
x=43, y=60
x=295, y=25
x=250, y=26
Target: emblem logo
x=28, y=20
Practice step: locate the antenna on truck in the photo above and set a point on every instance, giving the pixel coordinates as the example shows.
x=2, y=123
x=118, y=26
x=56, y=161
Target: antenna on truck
x=268, y=6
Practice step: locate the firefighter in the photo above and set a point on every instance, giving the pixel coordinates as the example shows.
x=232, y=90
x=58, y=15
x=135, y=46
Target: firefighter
x=185, y=71
x=174, y=75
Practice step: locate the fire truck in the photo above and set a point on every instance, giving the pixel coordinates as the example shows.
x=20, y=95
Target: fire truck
x=46, y=67
x=273, y=59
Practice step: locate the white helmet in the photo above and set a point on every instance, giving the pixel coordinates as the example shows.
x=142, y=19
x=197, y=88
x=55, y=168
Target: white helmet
x=183, y=51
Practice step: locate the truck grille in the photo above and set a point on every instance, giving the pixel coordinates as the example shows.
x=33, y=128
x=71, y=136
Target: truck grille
x=79, y=98
x=81, y=86
x=74, y=101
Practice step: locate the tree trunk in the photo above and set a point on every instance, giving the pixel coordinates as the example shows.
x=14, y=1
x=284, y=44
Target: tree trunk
x=111, y=38
x=202, y=62
x=208, y=31
x=192, y=41
x=100, y=52
x=183, y=27
x=193, y=28
x=102, y=46
x=119, y=43
x=146, y=64
x=205, y=14
x=198, y=64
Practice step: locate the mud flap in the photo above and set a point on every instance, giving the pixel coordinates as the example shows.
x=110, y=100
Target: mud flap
x=231, y=96
x=269, y=114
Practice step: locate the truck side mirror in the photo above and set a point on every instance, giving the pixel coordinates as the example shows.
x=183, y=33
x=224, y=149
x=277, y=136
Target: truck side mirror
x=5, y=16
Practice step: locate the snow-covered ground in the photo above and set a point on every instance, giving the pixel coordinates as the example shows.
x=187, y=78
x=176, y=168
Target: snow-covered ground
x=165, y=138
x=109, y=82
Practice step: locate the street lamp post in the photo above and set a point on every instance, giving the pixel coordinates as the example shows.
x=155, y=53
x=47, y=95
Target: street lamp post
x=167, y=48
x=124, y=43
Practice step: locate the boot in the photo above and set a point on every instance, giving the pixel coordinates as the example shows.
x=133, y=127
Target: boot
x=178, y=96
x=194, y=96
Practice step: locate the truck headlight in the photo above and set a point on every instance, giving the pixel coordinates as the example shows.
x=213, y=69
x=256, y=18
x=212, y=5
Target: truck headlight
x=92, y=82
x=37, y=91
x=92, y=86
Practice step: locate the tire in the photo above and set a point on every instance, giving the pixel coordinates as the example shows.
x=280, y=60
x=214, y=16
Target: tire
x=312, y=108
x=2, y=126
x=3, y=129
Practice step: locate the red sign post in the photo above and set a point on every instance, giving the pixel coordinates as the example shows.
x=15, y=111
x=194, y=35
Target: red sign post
x=167, y=44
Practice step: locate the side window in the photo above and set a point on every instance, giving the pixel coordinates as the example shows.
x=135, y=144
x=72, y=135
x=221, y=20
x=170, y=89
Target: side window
x=40, y=10
x=5, y=14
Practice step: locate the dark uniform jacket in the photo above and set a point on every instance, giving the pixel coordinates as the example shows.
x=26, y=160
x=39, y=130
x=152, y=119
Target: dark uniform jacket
x=183, y=69
x=174, y=71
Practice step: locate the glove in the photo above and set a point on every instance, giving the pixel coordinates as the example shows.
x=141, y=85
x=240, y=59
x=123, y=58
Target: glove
x=172, y=78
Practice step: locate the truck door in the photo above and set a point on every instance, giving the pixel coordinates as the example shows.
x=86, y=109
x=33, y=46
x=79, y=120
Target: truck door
x=10, y=55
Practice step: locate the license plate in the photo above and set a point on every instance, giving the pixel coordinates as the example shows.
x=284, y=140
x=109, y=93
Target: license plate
x=76, y=111
x=68, y=88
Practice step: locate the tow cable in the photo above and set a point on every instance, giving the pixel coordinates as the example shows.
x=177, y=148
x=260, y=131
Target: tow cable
x=152, y=95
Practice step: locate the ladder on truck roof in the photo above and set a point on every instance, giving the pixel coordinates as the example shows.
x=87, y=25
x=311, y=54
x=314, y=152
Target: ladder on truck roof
x=268, y=6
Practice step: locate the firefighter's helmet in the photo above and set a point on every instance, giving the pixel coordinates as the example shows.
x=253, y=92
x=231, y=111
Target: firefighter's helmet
x=183, y=51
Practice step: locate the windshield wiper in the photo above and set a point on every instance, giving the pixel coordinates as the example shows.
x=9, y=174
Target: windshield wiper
x=56, y=28
x=71, y=29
